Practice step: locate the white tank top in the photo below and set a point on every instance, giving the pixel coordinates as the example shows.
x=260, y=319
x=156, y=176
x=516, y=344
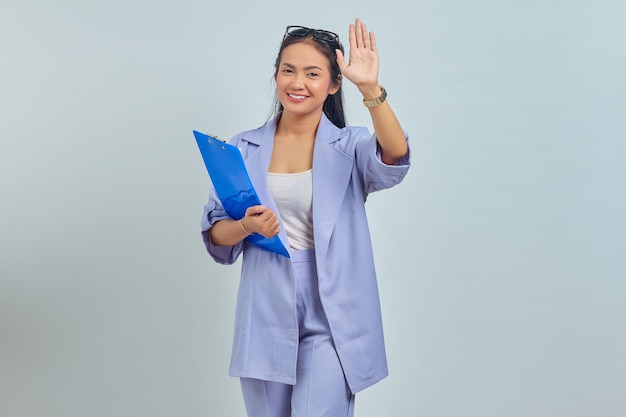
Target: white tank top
x=293, y=195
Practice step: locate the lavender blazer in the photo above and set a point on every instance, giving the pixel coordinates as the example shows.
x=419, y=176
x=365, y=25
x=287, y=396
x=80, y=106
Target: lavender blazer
x=346, y=168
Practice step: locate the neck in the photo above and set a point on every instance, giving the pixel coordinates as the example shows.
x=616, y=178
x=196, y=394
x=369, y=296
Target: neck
x=291, y=125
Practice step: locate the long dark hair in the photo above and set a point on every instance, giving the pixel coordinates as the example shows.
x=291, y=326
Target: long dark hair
x=333, y=106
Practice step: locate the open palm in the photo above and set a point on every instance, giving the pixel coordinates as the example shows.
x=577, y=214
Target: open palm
x=362, y=68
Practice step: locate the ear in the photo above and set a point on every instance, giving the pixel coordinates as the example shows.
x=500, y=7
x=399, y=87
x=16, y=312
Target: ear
x=336, y=86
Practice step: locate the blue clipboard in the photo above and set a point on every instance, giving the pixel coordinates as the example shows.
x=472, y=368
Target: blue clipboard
x=232, y=184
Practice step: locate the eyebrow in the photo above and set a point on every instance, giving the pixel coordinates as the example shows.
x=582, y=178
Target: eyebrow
x=310, y=67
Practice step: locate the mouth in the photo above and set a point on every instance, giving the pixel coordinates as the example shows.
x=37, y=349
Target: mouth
x=296, y=97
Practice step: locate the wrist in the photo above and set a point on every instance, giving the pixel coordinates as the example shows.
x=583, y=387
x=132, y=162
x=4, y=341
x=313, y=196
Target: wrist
x=244, y=227
x=376, y=101
x=370, y=92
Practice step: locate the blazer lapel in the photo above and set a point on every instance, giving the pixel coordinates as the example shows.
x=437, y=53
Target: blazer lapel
x=331, y=174
x=257, y=159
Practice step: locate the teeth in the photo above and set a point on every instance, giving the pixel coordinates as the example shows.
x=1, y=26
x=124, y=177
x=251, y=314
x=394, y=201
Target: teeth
x=296, y=97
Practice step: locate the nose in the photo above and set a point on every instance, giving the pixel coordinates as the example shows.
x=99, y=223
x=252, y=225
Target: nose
x=297, y=81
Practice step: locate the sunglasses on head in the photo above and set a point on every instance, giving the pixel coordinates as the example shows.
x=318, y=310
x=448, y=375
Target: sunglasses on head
x=319, y=34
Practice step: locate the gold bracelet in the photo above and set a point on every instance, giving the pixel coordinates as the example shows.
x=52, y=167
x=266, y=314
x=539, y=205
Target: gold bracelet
x=244, y=227
x=377, y=101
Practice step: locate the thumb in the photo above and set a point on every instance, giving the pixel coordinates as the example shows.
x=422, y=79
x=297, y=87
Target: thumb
x=253, y=210
x=341, y=60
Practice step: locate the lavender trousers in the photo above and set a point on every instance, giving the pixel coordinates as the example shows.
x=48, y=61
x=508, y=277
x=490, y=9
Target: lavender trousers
x=321, y=389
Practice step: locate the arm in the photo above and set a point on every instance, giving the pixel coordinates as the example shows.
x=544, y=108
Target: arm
x=363, y=72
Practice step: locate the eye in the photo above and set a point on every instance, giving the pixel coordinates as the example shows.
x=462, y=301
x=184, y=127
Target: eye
x=313, y=74
x=287, y=71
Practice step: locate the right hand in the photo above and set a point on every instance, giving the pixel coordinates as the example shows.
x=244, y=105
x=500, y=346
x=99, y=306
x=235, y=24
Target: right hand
x=261, y=220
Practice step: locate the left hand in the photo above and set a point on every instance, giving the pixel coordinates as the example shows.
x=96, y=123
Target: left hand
x=362, y=70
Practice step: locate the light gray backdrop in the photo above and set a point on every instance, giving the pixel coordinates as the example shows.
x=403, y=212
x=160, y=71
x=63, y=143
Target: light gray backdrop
x=501, y=257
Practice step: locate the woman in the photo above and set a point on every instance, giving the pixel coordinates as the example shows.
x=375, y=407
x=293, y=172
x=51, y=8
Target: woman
x=308, y=332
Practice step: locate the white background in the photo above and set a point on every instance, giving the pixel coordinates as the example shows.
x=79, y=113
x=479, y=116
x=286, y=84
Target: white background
x=500, y=257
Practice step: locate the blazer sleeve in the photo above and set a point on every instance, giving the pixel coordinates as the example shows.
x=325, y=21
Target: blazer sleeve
x=214, y=212
x=375, y=174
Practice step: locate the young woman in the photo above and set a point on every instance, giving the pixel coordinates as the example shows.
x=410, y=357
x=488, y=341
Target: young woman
x=308, y=331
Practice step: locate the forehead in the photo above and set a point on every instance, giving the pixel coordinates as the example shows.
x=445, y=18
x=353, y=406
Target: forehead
x=303, y=54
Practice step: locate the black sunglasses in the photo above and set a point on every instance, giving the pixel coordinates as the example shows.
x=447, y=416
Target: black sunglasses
x=319, y=34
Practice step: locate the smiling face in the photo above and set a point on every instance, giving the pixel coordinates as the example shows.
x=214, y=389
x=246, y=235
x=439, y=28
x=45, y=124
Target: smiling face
x=303, y=79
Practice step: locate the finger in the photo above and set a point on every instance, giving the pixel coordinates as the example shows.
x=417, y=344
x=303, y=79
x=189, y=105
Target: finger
x=365, y=36
x=266, y=217
x=275, y=228
x=352, y=36
x=270, y=227
x=271, y=233
x=358, y=32
x=254, y=210
x=372, y=42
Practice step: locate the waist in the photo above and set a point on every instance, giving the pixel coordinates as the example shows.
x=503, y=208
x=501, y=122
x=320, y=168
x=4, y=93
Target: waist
x=302, y=255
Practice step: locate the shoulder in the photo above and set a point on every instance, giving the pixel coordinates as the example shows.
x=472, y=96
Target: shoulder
x=349, y=137
x=357, y=132
x=244, y=135
x=255, y=136
x=341, y=136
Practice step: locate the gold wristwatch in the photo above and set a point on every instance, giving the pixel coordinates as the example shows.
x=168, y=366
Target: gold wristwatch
x=377, y=101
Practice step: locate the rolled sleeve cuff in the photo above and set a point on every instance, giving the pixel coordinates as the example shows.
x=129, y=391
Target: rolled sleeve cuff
x=226, y=255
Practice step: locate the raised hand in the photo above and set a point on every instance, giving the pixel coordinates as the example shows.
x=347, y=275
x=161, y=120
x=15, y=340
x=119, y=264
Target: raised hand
x=362, y=68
